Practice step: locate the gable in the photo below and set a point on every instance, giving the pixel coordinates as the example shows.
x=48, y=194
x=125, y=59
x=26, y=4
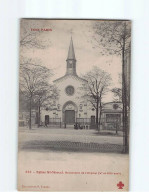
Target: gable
x=69, y=77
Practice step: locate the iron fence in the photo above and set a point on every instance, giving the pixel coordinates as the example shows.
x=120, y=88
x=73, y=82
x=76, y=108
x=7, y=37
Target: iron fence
x=54, y=122
x=104, y=123
x=83, y=121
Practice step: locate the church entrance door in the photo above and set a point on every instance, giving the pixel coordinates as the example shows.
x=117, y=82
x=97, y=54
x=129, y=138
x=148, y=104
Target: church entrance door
x=70, y=116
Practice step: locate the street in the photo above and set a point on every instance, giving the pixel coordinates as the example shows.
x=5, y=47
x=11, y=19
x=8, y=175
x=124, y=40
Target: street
x=43, y=153
x=70, y=140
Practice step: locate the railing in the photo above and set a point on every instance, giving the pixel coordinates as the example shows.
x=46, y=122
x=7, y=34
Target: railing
x=54, y=122
x=105, y=124
x=83, y=121
x=87, y=122
x=113, y=124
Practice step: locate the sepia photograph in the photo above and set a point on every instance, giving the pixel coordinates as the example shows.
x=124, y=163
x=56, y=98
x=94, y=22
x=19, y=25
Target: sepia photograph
x=74, y=105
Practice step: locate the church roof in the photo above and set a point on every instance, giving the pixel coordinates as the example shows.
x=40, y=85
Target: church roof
x=71, y=53
x=70, y=76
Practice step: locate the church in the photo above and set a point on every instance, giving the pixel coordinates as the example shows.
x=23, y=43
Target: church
x=69, y=107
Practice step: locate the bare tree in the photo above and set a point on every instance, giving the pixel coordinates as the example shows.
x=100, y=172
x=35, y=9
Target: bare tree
x=114, y=38
x=33, y=78
x=44, y=98
x=97, y=85
x=32, y=39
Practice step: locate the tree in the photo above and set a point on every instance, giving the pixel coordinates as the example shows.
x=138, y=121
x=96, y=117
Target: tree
x=32, y=39
x=44, y=98
x=97, y=85
x=33, y=78
x=114, y=38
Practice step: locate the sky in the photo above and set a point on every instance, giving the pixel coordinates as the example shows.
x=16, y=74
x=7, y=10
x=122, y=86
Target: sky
x=57, y=43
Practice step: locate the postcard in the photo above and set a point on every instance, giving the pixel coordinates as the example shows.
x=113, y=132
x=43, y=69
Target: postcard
x=74, y=105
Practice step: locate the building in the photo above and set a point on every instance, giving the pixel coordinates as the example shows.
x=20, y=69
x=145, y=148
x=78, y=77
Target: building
x=111, y=117
x=69, y=108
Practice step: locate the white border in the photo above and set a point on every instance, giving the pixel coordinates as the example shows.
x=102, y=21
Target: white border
x=137, y=11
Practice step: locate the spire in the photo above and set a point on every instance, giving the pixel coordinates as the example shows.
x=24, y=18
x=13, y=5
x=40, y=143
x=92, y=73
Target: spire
x=71, y=60
x=71, y=53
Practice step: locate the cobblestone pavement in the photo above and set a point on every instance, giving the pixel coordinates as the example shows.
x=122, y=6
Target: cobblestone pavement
x=70, y=139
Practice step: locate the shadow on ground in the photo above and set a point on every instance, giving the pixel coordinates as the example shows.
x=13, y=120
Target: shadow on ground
x=37, y=145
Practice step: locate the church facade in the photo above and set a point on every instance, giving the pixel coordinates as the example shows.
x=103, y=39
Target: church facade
x=69, y=107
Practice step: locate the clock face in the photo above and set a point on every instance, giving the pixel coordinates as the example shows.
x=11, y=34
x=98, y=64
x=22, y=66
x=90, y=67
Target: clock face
x=70, y=61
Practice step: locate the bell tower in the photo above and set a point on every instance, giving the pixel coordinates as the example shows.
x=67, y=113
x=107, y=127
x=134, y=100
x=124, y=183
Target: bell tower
x=71, y=60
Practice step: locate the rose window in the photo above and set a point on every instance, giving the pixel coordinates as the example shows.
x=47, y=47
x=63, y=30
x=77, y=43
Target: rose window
x=70, y=90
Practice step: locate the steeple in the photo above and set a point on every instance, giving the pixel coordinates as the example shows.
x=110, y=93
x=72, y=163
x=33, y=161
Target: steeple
x=71, y=54
x=71, y=60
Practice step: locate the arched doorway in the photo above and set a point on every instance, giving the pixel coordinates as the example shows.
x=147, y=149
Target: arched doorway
x=69, y=112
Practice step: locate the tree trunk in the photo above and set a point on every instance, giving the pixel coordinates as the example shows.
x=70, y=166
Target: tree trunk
x=124, y=111
x=99, y=120
x=124, y=100
x=97, y=110
x=30, y=113
x=39, y=114
x=100, y=115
